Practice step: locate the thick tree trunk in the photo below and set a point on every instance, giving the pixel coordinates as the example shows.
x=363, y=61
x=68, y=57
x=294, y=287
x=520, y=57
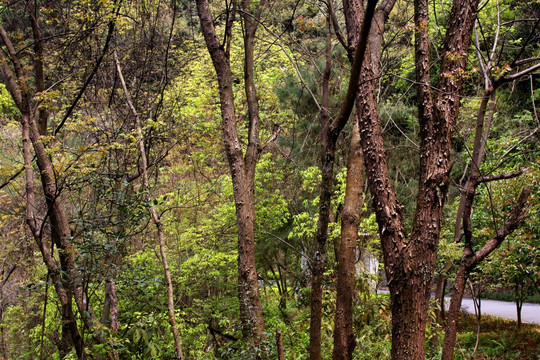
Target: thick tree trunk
x=344, y=341
x=410, y=264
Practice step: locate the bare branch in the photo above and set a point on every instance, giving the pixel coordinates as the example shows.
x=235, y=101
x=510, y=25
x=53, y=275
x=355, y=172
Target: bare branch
x=337, y=30
x=526, y=61
x=519, y=143
x=12, y=53
x=521, y=73
x=13, y=177
x=506, y=176
x=110, y=32
x=511, y=223
x=347, y=106
x=271, y=139
x=496, y=40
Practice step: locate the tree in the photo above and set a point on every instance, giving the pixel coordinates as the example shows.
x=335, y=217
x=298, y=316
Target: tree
x=346, y=248
x=30, y=98
x=242, y=167
x=155, y=217
x=410, y=259
x=331, y=130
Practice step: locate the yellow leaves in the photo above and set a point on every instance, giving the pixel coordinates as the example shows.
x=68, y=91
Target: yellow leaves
x=47, y=100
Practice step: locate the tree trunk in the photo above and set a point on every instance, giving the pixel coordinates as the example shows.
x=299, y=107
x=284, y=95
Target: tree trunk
x=70, y=331
x=464, y=270
x=410, y=264
x=66, y=278
x=327, y=183
x=242, y=169
x=440, y=289
x=344, y=341
x=519, y=305
x=109, y=316
x=327, y=169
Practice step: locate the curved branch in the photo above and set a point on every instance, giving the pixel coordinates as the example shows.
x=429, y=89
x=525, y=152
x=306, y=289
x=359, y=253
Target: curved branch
x=511, y=223
x=110, y=31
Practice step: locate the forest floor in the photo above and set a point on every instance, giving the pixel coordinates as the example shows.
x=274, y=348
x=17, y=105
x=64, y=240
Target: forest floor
x=499, y=339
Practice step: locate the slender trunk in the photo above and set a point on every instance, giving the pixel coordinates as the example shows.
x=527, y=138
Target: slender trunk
x=242, y=168
x=464, y=270
x=519, y=301
x=519, y=304
x=440, y=288
x=155, y=217
x=327, y=181
x=279, y=342
x=109, y=317
x=70, y=331
x=42, y=114
x=344, y=341
x=470, y=259
x=327, y=169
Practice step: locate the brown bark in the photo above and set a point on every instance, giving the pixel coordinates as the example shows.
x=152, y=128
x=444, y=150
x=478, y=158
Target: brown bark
x=410, y=263
x=70, y=332
x=279, y=342
x=242, y=168
x=327, y=171
x=61, y=275
x=110, y=306
x=42, y=115
x=344, y=341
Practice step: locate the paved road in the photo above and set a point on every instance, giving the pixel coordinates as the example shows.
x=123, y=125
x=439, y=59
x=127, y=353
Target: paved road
x=530, y=313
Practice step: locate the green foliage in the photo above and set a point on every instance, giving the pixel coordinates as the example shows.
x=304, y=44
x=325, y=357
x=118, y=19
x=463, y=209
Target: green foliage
x=97, y=169
x=8, y=109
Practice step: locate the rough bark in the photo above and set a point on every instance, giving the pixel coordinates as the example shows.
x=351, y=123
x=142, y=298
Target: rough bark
x=344, y=341
x=327, y=171
x=242, y=168
x=279, y=343
x=409, y=263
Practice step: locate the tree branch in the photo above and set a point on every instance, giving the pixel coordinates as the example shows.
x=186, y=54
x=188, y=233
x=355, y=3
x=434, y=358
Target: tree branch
x=347, y=106
x=110, y=31
x=521, y=73
x=511, y=175
x=515, y=218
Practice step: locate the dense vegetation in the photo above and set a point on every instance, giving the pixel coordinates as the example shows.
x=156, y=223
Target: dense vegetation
x=199, y=180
